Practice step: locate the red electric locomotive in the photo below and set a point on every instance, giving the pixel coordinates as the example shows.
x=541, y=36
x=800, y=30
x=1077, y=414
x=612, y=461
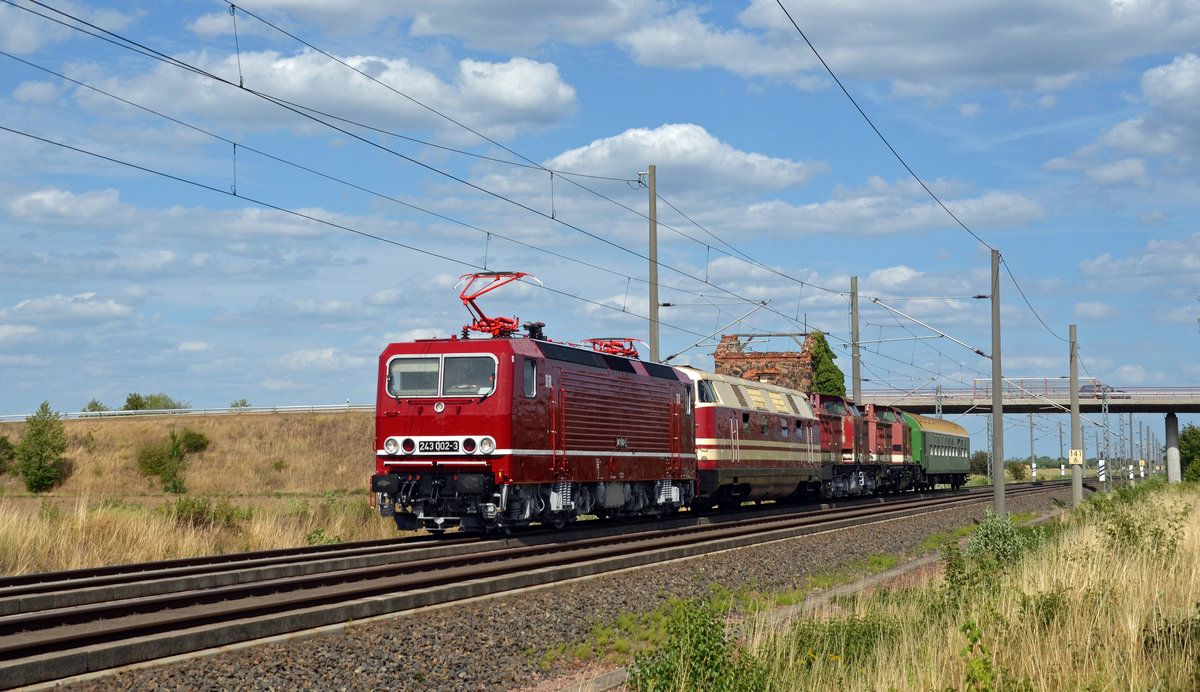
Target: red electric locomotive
x=494, y=433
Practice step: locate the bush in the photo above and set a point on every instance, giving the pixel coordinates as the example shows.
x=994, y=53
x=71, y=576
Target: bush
x=165, y=458
x=152, y=402
x=40, y=452
x=980, y=463
x=993, y=550
x=698, y=655
x=7, y=453
x=202, y=513
x=155, y=459
x=188, y=441
x=94, y=406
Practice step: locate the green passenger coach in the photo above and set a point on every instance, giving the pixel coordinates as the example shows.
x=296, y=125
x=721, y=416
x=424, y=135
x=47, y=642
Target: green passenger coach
x=941, y=448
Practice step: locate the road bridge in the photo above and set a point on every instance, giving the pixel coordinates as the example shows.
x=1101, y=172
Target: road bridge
x=1048, y=395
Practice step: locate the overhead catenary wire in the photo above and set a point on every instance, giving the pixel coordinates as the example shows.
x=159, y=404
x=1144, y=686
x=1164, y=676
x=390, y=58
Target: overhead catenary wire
x=308, y=113
x=908, y=168
x=332, y=178
x=183, y=65
x=308, y=217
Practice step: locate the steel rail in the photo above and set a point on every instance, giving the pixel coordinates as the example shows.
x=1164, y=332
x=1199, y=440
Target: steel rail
x=63, y=641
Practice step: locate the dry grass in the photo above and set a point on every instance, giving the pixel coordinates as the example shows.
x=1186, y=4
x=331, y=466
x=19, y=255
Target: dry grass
x=1113, y=603
x=265, y=481
x=248, y=455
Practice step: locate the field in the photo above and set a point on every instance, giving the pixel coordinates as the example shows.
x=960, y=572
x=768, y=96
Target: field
x=1106, y=598
x=264, y=481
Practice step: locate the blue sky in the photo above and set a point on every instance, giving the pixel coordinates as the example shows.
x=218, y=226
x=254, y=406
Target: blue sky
x=1061, y=134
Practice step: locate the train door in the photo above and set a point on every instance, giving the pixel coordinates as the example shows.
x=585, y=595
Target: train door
x=735, y=435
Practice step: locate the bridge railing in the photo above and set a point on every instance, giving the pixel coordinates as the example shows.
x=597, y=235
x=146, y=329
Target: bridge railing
x=236, y=410
x=1016, y=392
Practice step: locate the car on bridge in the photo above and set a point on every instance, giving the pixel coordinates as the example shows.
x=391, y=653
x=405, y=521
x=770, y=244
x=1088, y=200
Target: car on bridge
x=1098, y=390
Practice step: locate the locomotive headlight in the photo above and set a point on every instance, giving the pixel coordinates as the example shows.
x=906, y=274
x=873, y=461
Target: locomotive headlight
x=468, y=445
x=391, y=446
x=487, y=445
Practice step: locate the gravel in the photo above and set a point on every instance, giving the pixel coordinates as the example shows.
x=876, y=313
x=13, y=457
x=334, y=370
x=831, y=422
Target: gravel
x=496, y=644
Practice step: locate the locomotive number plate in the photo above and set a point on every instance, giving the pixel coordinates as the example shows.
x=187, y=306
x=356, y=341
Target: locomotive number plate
x=437, y=446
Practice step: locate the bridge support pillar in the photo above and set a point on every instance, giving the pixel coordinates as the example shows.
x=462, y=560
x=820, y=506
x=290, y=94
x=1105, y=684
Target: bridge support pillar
x=1172, y=448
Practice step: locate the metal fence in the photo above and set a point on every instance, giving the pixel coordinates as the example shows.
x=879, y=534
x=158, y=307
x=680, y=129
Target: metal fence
x=237, y=410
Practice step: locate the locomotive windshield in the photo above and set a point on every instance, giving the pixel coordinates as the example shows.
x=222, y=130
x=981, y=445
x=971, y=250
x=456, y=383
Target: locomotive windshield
x=444, y=376
x=413, y=377
x=469, y=375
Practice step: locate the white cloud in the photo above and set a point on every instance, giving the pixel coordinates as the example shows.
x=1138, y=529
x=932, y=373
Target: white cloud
x=688, y=151
x=51, y=206
x=24, y=32
x=867, y=213
x=1123, y=172
x=323, y=359
x=1096, y=310
x=503, y=96
x=1131, y=375
x=1155, y=217
x=194, y=346
x=970, y=110
x=1176, y=87
x=82, y=307
x=925, y=50
x=36, y=93
x=15, y=332
x=1173, y=124
x=1162, y=262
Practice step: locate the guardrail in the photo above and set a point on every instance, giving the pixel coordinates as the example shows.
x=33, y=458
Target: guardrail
x=1015, y=392
x=236, y=410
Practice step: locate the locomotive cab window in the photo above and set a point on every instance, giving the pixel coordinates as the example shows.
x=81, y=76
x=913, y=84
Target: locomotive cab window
x=446, y=376
x=705, y=392
x=413, y=377
x=469, y=375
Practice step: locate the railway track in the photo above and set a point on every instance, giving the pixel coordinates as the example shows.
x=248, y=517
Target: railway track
x=58, y=625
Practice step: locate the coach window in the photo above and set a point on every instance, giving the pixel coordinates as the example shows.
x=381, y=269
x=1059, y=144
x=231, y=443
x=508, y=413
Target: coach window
x=530, y=378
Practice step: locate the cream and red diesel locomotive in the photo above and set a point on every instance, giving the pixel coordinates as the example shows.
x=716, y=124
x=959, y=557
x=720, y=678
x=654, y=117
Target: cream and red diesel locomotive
x=499, y=432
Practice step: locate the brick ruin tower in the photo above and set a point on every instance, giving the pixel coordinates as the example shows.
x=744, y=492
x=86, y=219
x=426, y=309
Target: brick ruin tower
x=784, y=368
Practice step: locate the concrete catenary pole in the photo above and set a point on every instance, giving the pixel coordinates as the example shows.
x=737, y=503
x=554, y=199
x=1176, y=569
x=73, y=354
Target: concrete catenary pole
x=1172, y=448
x=1077, y=461
x=650, y=182
x=855, y=364
x=997, y=396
